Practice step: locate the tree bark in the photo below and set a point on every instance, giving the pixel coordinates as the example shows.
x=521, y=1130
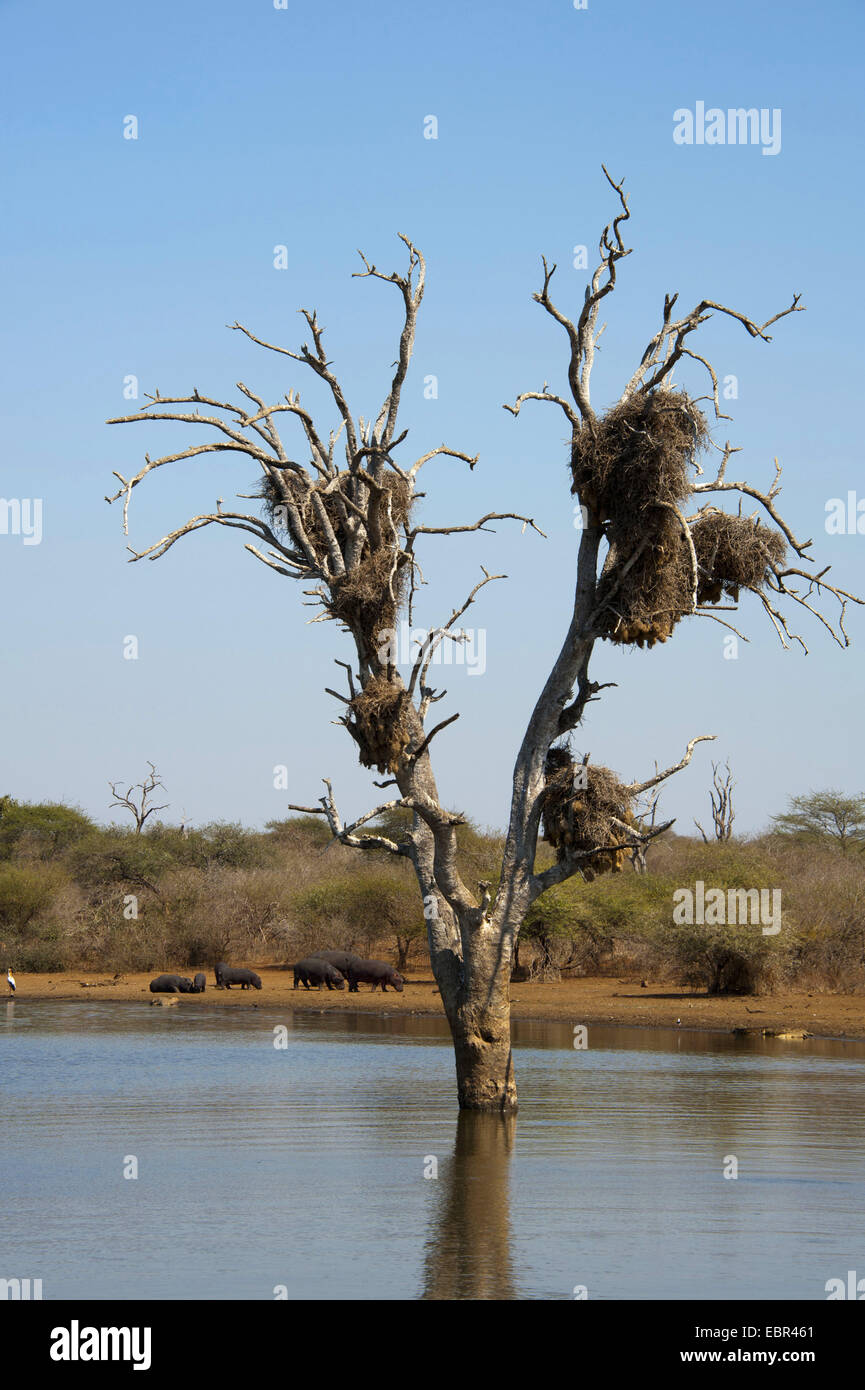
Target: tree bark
x=479, y=1013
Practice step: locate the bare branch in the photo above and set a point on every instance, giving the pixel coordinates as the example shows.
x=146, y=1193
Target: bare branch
x=317, y=362
x=431, y=735
x=668, y=344
x=470, y=459
x=636, y=788
x=545, y=395
x=412, y=294
x=477, y=526
x=345, y=834
x=425, y=655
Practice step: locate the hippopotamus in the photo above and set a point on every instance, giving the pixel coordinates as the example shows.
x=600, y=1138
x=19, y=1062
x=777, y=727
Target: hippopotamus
x=200, y=982
x=319, y=971
x=374, y=972
x=228, y=975
x=171, y=984
x=341, y=960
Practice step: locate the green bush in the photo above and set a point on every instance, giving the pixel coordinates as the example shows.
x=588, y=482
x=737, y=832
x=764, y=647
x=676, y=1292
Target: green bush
x=25, y=892
x=357, y=911
x=39, y=830
x=30, y=936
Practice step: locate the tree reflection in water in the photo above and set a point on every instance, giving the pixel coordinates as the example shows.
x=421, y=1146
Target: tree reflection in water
x=468, y=1253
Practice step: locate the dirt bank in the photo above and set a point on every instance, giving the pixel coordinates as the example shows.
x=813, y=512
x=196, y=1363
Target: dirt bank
x=595, y=1000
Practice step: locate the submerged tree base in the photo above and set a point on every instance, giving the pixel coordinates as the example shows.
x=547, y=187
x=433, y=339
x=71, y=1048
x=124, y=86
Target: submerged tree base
x=485, y=1068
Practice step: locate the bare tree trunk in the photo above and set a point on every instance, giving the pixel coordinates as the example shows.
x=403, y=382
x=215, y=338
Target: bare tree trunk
x=479, y=1014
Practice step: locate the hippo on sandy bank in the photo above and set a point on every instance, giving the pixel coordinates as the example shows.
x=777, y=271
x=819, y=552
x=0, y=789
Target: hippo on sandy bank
x=341, y=960
x=199, y=983
x=171, y=984
x=374, y=972
x=228, y=975
x=314, y=970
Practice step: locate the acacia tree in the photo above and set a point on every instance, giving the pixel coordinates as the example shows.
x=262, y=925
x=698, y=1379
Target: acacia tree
x=343, y=524
x=824, y=815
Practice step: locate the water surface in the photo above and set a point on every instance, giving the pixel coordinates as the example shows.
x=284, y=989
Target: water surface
x=303, y=1166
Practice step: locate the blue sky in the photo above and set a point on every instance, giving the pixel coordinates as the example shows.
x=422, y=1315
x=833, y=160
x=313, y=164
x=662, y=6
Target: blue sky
x=304, y=127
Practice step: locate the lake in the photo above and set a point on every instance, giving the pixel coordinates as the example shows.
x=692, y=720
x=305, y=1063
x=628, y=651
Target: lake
x=335, y=1166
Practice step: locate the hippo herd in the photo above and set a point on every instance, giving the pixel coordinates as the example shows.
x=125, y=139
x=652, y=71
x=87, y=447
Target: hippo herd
x=331, y=968
x=178, y=984
x=226, y=976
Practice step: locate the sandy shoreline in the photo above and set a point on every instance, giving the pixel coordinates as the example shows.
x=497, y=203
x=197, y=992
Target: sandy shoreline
x=590, y=1000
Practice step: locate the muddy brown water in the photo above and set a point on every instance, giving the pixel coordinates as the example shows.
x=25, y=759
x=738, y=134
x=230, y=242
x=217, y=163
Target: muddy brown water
x=322, y=1156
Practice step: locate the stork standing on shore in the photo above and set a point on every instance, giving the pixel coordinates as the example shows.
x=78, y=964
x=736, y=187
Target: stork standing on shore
x=10, y=979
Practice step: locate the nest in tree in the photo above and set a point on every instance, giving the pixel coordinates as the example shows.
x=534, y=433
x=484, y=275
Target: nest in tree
x=647, y=584
x=638, y=454
x=632, y=469
x=368, y=596
x=393, y=498
x=379, y=723
x=733, y=552
x=578, y=818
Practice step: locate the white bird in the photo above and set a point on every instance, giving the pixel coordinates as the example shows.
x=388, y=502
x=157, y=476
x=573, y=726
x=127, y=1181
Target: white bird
x=10, y=980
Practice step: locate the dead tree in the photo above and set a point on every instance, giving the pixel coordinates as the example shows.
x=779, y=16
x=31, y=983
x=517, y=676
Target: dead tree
x=342, y=524
x=721, y=798
x=139, y=808
x=647, y=814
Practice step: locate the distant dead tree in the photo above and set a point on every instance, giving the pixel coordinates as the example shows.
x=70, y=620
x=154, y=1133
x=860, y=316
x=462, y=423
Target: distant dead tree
x=721, y=797
x=646, y=811
x=343, y=526
x=138, y=807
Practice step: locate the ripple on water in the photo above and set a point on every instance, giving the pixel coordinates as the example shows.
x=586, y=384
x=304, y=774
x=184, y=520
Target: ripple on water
x=304, y=1165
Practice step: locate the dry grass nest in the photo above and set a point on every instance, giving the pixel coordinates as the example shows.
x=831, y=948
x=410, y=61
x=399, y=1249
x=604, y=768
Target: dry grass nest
x=733, y=552
x=642, y=604
x=632, y=468
x=379, y=723
x=638, y=455
x=368, y=597
x=578, y=818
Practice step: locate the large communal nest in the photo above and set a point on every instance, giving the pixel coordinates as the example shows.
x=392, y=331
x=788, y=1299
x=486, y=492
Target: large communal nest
x=576, y=818
x=638, y=455
x=387, y=506
x=733, y=553
x=368, y=596
x=647, y=584
x=632, y=469
x=379, y=723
